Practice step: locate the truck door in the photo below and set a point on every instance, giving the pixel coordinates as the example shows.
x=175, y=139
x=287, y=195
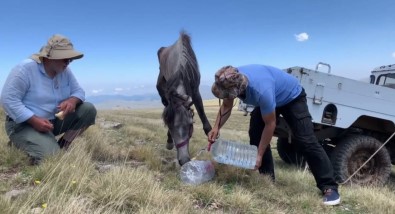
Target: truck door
x=318, y=93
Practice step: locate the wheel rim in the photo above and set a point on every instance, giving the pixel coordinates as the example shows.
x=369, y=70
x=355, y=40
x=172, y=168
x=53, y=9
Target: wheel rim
x=368, y=173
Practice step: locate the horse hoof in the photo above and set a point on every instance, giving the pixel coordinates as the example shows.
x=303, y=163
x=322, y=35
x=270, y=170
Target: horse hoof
x=170, y=146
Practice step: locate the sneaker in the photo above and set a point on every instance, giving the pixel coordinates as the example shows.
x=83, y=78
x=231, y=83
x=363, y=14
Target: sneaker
x=63, y=144
x=331, y=197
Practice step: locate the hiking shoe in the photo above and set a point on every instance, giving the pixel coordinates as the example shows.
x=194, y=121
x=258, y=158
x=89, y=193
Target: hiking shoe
x=33, y=161
x=331, y=197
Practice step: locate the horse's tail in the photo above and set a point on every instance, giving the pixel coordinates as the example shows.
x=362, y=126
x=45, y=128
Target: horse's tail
x=188, y=66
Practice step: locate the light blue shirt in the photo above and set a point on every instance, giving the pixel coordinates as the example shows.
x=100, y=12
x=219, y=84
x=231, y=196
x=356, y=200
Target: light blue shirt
x=29, y=91
x=269, y=87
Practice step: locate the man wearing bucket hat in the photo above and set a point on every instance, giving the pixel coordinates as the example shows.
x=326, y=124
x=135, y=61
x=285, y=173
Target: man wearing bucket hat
x=273, y=91
x=37, y=89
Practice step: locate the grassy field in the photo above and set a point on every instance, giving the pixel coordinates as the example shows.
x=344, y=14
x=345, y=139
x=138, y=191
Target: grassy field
x=129, y=170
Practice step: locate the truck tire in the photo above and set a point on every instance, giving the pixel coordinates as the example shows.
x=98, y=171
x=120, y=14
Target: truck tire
x=351, y=152
x=288, y=153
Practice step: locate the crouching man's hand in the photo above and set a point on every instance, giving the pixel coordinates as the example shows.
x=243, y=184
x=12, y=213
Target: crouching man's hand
x=40, y=124
x=68, y=105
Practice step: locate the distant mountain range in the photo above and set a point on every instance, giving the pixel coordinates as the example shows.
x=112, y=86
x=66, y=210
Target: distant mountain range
x=106, y=98
x=124, y=101
x=152, y=100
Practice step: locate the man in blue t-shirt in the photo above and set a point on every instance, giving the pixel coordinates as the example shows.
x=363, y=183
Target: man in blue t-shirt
x=273, y=92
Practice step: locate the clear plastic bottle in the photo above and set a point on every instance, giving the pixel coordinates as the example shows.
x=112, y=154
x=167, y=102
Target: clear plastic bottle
x=197, y=171
x=234, y=153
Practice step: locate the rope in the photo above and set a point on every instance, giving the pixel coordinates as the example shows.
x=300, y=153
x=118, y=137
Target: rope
x=220, y=118
x=349, y=178
x=199, y=152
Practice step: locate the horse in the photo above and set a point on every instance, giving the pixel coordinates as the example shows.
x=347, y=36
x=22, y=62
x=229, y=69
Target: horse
x=178, y=86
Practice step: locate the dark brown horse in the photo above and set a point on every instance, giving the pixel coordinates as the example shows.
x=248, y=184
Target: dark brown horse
x=178, y=86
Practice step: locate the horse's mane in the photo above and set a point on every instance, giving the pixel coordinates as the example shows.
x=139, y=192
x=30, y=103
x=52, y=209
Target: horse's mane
x=186, y=70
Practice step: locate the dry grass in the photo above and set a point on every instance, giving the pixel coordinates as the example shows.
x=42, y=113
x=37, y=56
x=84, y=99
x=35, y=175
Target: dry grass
x=144, y=177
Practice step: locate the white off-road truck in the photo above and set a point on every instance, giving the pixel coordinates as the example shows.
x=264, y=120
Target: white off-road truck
x=353, y=120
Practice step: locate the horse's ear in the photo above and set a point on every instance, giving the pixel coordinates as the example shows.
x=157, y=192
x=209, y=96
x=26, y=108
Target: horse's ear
x=188, y=102
x=160, y=51
x=185, y=97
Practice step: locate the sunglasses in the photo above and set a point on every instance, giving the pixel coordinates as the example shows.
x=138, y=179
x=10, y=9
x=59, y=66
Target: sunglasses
x=67, y=61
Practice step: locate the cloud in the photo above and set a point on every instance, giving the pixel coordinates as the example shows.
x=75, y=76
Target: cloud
x=96, y=91
x=301, y=37
x=118, y=89
x=139, y=86
x=393, y=54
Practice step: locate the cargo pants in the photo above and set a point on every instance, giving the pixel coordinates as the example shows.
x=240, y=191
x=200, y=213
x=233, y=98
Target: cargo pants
x=38, y=144
x=297, y=115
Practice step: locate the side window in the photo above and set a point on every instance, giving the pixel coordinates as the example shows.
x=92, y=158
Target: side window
x=387, y=80
x=380, y=80
x=372, y=79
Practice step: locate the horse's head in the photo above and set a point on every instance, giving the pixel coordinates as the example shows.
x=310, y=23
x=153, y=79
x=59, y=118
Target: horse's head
x=178, y=116
x=178, y=86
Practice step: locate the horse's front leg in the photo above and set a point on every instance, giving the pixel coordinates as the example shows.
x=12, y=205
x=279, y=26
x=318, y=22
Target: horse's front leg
x=160, y=86
x=170, y=144
x=197, y=100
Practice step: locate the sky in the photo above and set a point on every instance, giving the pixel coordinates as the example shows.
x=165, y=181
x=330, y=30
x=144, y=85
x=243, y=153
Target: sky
x=120, y=38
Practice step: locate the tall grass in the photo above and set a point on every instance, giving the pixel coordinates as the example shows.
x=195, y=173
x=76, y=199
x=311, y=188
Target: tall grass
x=143, y=176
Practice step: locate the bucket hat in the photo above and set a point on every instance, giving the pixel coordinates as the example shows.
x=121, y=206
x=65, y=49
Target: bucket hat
x=57, y=47
x=229, y=83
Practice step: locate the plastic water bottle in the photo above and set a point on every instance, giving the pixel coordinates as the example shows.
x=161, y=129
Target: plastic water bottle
x=234, y=153
x=197, y=171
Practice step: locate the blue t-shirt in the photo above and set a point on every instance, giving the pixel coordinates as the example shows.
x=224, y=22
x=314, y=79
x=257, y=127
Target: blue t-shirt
x=269, y=87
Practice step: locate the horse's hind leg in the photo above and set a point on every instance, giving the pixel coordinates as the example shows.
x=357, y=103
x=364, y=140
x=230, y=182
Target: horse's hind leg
x=170, y=144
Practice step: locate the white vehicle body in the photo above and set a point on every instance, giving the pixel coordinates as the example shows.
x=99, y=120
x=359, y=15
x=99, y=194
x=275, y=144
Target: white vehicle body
x=350, y=99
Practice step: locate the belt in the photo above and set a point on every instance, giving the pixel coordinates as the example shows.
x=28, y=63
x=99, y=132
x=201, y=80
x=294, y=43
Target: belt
x=9, y=119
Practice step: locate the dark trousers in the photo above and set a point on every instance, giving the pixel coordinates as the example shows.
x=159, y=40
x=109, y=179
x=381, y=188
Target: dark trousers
x=297, y=115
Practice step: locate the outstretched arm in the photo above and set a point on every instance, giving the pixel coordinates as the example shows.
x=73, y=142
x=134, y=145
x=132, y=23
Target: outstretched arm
x=223, y=115
x=267, y=134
